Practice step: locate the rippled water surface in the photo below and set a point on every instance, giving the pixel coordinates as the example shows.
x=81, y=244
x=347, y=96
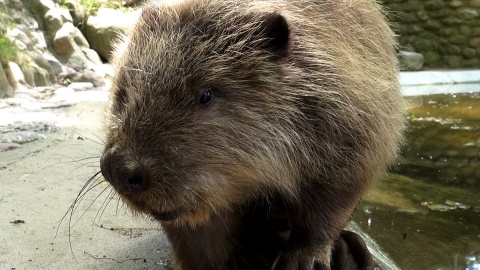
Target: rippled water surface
x=426, y=215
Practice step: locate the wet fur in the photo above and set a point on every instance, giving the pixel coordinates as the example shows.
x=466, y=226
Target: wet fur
x=306, y=115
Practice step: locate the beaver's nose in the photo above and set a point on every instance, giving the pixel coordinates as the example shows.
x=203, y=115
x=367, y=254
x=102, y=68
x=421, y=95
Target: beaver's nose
x=124, y=175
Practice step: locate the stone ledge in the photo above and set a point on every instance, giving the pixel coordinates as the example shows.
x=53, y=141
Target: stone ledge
x=439, y=77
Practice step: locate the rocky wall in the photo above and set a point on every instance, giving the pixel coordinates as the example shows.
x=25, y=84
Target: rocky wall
x=446, y=32
x=50, y=49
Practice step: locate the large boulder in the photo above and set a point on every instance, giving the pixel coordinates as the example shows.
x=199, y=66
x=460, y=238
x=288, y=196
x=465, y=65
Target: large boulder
x=5, y=89
x=68, y=38
x=38, y=8
x=55, y=18
x=103, y=29
x=72, y=49
x=411, y=61
x=17, y=74
x=77, y=11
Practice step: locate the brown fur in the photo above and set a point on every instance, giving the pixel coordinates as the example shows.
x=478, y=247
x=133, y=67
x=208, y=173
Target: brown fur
x=306, y=114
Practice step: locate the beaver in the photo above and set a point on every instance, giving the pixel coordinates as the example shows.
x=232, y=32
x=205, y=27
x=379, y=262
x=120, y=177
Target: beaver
x=251, y=129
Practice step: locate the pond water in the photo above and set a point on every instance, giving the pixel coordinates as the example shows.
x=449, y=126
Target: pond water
x=426, y=214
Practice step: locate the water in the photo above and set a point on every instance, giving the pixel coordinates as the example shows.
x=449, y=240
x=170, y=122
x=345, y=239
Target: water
x=426, y=215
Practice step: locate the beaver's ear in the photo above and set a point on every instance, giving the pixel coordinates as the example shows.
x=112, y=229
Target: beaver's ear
x=277, y=32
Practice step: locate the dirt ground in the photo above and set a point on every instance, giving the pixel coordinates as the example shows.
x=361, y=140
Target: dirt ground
x=40, y=181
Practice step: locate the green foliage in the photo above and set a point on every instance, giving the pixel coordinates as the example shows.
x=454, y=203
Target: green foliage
x=8, y=50
x=412, y=117
x=91, y=6
x=5, y=19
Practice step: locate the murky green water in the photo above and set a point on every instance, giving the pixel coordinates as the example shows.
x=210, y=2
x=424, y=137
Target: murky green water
x=427, y=214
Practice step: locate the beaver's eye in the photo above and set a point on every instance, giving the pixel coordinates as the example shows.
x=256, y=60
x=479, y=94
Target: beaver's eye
x=206, y=96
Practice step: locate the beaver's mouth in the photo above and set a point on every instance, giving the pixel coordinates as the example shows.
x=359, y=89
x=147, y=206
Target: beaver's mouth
x=160, y=213
x=165, y=215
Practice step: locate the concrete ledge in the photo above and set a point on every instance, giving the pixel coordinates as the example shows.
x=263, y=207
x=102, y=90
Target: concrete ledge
x=439, y=77
x=432, y=89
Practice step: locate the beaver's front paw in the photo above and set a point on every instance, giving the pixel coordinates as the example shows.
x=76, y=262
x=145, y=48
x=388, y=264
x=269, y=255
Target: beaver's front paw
x=294, y=261
x=351, y=253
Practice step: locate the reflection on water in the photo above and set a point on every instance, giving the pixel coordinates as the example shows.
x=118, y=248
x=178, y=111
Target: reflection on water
x=426, y=215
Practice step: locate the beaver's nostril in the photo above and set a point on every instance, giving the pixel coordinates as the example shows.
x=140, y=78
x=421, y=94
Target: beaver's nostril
x=122, y=173
x=136, y=182
x=136, y=179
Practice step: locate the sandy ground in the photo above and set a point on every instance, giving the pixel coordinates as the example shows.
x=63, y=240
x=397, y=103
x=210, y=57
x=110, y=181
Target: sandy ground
x=38, y=184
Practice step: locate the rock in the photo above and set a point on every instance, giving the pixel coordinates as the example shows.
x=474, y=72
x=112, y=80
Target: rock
x=20, y=137
x=475, y=3
x=456, y=3
x=57, y=67
x=77, y=11
x=62, y=94
x=472, y=63
x=17, y=34
x=77, y=60
x=73, y=49
x=92, y=77
x=17, y=101
x=20, y=45
x=433, y=25
x=77, y=35
x=31, y=106
x=68, y=38
x=103, y=29
x=130, y=3
x=434, y=5
x=475, y=42
x=442, y=13
x=64, y=91
x=468, y=14
x=431, y=57
x=33, y=93
x=452, y=21
x=458, y=39
x=23, y=97
x=453, y=61
x=39, y=41
x=453, y=49
x=410, y=60
x=38, y=8
x=81, y=86
x=55, y=18
x=40, y=77
x=17, y=74
x=15, y=4
x=9, y=146
x=469, y=53
x=43, y=64
x=422, y=44
x=465, y=30
x=407, y=17
x=28, y=72
x=106, y=70
x=56, y=105
x=422, y=15
x=92, y=56
x=63, y=42
x=6, y=90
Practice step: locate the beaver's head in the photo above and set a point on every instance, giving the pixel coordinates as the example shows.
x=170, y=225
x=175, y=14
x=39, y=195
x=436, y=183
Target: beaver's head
x=199, y=118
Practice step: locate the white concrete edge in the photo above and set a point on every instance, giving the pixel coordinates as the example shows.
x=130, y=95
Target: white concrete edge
x=439, y=77
x=432, y=89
